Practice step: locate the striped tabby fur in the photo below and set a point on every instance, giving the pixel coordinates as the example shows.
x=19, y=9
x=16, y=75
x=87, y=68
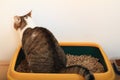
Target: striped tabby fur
x=43, y=52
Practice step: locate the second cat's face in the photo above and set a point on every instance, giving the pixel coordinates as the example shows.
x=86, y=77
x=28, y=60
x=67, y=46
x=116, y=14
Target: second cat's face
x=20, y=21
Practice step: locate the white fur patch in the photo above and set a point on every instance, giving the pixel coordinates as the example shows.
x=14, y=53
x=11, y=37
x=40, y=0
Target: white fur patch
x=30, y=24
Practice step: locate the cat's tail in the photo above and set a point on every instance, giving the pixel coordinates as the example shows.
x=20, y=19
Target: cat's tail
x=86, y=73
x=79, y=70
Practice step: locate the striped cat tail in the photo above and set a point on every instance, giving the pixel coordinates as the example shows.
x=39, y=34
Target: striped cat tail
x=86, y=73
x=79, y=70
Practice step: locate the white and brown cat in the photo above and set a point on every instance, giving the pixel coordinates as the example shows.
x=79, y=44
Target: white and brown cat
x=42, y=51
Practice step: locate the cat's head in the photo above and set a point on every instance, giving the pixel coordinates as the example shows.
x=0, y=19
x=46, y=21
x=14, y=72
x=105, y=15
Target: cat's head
x=20, y=21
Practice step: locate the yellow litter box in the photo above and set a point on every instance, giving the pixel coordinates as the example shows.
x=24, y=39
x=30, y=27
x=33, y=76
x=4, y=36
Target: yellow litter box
x=75, y=48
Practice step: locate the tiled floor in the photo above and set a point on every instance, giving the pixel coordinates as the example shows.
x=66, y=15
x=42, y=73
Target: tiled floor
x=4, y=67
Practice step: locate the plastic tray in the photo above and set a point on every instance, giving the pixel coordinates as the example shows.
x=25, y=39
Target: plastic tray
x=75, y=48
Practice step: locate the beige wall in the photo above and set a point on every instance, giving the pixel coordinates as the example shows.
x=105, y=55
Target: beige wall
x=69, y=20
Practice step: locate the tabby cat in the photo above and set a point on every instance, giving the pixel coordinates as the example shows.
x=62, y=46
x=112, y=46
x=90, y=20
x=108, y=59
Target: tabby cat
x=42, y=51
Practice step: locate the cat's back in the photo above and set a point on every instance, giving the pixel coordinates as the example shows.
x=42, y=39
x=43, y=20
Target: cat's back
x=37, y=37
x=42, y=50
x=38, y=50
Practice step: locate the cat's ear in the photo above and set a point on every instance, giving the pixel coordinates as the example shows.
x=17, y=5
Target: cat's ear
x=17, y=19
x=29, y=14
